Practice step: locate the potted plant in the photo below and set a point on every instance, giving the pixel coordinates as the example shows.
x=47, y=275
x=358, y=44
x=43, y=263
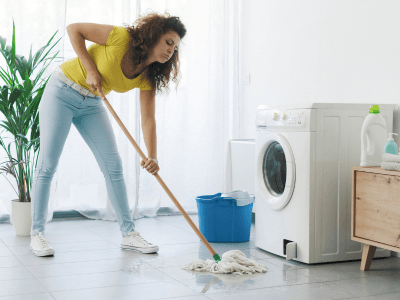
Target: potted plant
x=19, y=102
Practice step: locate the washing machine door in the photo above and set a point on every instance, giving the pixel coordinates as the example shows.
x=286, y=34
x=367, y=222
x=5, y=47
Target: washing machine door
x=276, y=171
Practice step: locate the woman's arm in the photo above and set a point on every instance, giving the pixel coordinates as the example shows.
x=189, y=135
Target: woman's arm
x=78, y=40
x=97, y=33
x=150, y=138
x=148, y=111
x=147, y=107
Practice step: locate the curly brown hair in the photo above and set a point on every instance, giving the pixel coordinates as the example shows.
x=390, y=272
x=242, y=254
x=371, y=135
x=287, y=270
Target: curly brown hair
x=149, y=29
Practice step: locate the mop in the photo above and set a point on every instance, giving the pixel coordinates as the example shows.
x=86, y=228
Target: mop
x=232, y=262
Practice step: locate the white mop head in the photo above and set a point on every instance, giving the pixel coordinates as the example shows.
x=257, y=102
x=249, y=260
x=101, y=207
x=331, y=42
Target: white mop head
x=233, y=261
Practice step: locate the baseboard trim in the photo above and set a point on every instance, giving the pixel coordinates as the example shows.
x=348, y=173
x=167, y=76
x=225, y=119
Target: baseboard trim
x=67, y=214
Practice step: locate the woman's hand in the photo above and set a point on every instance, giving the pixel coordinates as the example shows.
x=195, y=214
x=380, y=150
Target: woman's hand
x=151, y=166
x=93, y=79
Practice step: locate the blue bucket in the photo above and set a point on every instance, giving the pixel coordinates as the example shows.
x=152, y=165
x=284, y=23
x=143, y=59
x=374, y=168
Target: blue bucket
x=225, y=219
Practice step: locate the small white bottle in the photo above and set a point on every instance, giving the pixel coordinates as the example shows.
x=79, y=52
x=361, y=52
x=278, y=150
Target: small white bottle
x=373, y=138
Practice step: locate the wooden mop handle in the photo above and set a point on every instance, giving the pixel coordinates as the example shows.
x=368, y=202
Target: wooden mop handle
x=159, y=178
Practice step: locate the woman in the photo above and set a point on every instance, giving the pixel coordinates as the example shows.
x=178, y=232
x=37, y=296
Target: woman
x=120, y=59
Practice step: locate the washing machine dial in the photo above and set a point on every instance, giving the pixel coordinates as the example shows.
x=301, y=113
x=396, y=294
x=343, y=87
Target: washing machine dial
x=275, y=117
x=284, y=117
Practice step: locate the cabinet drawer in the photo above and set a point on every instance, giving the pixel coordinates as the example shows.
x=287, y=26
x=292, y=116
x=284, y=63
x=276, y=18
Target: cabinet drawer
x=377, y=207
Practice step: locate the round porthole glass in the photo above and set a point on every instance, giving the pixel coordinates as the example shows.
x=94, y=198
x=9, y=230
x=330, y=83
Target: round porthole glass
x=274, y=169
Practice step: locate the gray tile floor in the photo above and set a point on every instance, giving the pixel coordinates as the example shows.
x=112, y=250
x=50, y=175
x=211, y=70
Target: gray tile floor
x=89, y=264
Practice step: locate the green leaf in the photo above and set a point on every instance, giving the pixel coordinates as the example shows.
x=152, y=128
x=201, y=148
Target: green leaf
x=27, y=86
x=37, y=55
x=3, y=42
x=13, y=50
x=7, y=78
x=15, y=93
x=4, y=93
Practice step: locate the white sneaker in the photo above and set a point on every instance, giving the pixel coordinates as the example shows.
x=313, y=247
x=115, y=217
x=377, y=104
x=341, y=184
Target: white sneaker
x=134, y=241
x=40, y=246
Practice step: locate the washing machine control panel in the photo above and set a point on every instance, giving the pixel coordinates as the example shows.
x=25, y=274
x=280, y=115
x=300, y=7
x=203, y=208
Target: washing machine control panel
x=297, y=119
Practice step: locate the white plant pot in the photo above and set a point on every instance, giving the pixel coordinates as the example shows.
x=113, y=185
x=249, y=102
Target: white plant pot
x=21, y=217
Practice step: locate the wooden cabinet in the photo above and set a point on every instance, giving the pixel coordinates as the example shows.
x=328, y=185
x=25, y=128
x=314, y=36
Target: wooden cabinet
x=375, y=211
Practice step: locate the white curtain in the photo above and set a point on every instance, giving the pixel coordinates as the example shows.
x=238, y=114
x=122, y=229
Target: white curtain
x=194, y=123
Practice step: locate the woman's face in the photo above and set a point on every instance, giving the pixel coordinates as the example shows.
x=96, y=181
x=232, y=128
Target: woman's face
x=165, y=47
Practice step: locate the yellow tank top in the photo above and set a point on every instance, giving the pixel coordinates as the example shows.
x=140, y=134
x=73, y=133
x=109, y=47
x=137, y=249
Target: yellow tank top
x=107, y=59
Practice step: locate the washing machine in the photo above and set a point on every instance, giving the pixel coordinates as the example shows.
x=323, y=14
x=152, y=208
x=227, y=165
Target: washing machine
x=304, y=157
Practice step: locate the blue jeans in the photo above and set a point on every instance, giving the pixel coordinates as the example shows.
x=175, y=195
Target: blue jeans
x=59, y=107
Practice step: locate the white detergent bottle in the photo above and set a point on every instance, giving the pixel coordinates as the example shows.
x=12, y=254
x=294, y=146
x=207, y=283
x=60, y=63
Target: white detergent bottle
x=373, y=138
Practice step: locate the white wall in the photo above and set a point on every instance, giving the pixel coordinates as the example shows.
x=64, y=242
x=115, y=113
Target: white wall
x=345, y=51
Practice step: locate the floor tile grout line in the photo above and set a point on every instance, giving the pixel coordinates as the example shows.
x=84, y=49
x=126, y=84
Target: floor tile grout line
x=77, y=274
x=22, y=245
x=268, y=260
x=103, y=237
x=38, y=281
x=181, y=297
x=277, y=286
x=170, y=223
x=61, y=251
x=258, y=288
x=191, y=230
x=103, y=240
x=362, y=297
x=68, y=262
x=342, y=289
x=151, y=267
x=119, y=285
x=180, y=283
x=72, y=262
x=27, y=294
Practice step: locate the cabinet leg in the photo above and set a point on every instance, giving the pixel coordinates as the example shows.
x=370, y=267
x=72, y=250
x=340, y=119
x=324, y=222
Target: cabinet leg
x=367, y=256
